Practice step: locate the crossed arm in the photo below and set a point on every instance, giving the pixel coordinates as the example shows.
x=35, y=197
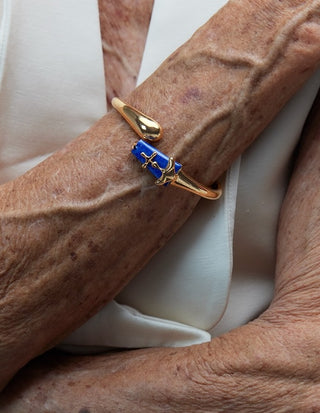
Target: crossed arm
x=60, y=220
x=269, y=365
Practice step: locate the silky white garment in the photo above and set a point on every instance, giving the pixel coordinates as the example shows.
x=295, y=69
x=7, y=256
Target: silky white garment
x=182, y=294
x=52, y=78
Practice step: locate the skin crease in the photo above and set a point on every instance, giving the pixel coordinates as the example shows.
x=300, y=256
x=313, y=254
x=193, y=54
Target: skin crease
x=66, y=230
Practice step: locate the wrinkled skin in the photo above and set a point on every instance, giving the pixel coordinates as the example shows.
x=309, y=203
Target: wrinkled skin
x=269, y=365
x=124, y=26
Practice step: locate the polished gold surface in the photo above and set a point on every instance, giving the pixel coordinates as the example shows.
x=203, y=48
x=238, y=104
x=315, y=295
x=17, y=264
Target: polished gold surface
x=168, y=173
x=183, y=181
x=186, y=182
x=146, y=127
x=149, y=160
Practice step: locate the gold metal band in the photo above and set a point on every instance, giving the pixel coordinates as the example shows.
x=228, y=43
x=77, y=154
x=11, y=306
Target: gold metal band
x=189, y=184
x=143, y=125
x=150, y=130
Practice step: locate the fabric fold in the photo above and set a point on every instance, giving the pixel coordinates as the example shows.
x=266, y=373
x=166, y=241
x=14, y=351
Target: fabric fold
x=121, y=326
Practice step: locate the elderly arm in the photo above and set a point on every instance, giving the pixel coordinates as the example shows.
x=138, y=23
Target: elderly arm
x=270, y=365
x=65, y=223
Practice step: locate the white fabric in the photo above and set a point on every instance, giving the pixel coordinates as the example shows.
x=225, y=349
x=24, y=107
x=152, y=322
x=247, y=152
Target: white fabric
x=123, y=326
x=53, y=79
x=5, y=18
x=263, y=179
x=53, y=89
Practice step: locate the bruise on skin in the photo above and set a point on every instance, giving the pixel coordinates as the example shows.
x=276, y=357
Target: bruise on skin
x=192, y=93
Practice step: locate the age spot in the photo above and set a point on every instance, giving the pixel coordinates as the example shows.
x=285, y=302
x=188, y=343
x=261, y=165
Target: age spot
x=73, y=256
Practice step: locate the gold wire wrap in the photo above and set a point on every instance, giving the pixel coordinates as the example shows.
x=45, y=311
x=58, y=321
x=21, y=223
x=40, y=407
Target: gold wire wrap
x=148, y=129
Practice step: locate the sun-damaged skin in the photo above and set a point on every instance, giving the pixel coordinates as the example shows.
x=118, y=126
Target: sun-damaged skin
x=268, y=366
x=124, y=26
x=65, y=223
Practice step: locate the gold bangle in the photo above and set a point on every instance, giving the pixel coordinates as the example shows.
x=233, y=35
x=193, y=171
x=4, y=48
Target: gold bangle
x=164, y=168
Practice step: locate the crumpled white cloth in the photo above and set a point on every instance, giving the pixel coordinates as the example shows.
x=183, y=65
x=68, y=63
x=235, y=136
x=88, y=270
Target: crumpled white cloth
x=53, y=89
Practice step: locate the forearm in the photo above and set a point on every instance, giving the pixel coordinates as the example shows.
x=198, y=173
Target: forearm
x=74, y=230
x=270, y=365
x=253, y=369
x=78, y=226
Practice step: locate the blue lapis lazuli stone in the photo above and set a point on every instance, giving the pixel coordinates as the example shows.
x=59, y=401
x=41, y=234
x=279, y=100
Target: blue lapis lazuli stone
x=144, y=152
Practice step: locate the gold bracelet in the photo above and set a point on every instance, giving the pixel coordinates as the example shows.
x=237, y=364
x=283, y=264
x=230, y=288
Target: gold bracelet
x=164, y=168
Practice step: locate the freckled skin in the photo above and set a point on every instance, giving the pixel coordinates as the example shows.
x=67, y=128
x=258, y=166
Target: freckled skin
x=268, y=366
x=124, y=27
x=121, y=214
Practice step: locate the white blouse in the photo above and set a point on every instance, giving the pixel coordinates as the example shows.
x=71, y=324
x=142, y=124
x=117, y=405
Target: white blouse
x=216, y=273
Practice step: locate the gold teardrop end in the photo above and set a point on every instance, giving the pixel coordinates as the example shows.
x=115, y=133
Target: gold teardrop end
x=146, y=127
